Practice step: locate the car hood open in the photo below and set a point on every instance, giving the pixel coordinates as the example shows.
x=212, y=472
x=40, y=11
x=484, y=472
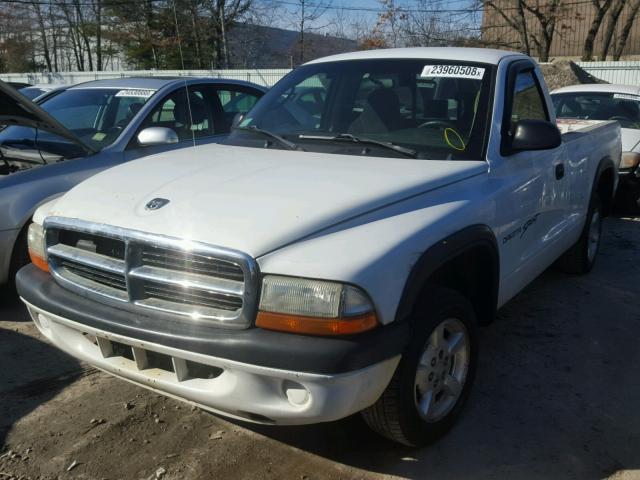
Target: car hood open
x=15, y=109
x=251, y=199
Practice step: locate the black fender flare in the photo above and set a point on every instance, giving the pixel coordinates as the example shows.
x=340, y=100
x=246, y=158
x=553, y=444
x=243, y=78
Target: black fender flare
x=606, y=163
x=446, y=250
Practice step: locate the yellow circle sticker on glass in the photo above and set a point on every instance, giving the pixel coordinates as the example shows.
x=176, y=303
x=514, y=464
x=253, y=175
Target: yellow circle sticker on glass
x=454, y=140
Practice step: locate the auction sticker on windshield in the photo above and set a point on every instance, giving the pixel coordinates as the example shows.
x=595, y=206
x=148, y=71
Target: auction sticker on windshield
x=136, y=92
x=453, y=71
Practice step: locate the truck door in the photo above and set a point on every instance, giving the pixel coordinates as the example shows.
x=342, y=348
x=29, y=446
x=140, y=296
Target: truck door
x=534, y=201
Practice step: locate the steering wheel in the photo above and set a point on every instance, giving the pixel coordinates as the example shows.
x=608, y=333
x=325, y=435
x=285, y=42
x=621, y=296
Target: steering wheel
x=441, y=124
x=619, y=118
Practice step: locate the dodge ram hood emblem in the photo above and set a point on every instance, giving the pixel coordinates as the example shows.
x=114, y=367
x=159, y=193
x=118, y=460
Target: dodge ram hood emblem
x=156, y=204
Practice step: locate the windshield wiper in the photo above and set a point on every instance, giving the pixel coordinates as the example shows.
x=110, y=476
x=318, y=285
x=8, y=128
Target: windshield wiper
x=355, y=139
x=281, y=140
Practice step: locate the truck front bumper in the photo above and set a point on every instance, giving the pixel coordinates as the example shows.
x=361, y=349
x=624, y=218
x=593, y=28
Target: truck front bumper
x=249, y=391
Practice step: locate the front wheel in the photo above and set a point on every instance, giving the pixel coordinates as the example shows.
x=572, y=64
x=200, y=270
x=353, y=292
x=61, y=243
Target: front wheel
x=434, y=377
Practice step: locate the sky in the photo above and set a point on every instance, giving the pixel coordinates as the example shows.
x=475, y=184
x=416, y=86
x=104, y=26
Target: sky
x=354, y=10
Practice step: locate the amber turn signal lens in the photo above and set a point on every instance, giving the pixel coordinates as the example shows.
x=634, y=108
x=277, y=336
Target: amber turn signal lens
x=38, y=261
x=316, y=326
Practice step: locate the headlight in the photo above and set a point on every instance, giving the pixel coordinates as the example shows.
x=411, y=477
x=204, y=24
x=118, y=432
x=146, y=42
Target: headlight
x=314, y=307
x=630, y=160
x=35, y=241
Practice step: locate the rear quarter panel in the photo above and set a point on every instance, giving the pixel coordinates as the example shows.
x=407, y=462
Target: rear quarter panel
x=586, y=148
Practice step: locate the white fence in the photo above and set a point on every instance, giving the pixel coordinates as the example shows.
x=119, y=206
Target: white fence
x=262, y=77
x=626, y=73
x=623, y=73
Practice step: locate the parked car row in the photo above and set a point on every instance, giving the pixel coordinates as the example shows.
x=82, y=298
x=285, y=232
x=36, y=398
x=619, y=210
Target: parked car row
x=333, y=254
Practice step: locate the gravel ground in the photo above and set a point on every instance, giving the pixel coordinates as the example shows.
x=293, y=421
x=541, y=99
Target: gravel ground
x=557, y=396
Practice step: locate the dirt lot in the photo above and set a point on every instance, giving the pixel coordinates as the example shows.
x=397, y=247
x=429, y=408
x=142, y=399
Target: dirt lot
x=557, y=396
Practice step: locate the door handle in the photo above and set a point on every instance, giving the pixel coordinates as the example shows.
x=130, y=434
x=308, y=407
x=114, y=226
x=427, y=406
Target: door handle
x=559, y=171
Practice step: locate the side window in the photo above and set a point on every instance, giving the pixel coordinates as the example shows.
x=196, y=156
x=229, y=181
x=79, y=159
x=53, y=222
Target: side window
x=170, y=113
x=190, y=118
x=235, y=101
x=232, y=103
x=528, y=103
x=201, y=110
x=312, y=101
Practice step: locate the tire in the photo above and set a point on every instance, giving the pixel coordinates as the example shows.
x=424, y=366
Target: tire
x=397, y=414
x=581, y=257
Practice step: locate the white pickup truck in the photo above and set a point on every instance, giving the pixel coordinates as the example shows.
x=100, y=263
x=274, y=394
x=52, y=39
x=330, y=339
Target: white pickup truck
x=338, y=252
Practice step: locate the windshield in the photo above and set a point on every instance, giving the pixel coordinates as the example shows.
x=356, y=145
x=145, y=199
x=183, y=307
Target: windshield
x=623, y=107
x=95, y=115
x=432, y=109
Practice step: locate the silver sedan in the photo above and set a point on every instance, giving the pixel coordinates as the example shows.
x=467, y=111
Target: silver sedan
x=72, y=133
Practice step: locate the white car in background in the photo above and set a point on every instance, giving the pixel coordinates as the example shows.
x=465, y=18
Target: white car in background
x=609, y=102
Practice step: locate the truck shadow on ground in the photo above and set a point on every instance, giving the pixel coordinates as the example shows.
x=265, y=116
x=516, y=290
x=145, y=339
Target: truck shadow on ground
x=32, y=373
x=557, y=389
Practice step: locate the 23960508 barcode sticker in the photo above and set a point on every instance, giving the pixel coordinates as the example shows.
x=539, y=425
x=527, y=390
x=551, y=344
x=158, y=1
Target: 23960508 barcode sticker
x=453, y=71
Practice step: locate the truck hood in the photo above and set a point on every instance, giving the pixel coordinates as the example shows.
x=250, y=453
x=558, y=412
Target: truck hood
x=16, y=109
x=250, y=199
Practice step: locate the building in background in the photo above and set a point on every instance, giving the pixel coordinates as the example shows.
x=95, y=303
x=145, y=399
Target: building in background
x=568, y=24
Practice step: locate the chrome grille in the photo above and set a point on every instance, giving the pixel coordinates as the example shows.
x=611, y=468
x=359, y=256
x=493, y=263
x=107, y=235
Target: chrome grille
x=192, y=296
x=193, y=262
x=137, y=271
x=95, y=275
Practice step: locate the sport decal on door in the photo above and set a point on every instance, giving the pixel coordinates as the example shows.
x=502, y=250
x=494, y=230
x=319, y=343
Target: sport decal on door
x=521, y=230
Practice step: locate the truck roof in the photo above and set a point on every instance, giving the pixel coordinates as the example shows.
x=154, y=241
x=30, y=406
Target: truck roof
x=482, y=55
x=599, y=88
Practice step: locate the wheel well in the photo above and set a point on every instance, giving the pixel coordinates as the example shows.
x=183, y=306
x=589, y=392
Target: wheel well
x=474, y=274
x=605, y=189
x=21, y=236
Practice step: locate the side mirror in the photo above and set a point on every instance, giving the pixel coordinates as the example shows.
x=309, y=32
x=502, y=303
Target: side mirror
x=157, y=136
x=237, y=118
x=535, y=135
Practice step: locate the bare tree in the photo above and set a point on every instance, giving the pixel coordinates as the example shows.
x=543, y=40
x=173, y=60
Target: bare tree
x=53, y=25
x=547, y=14
x=194, y=17
x=97, y=15
x=601, y=7
x=306, y=14
x=614, y=15
x=223, y=14
x=626, y=29
x=42, y=28
x=73, y=35
x=516, y=21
